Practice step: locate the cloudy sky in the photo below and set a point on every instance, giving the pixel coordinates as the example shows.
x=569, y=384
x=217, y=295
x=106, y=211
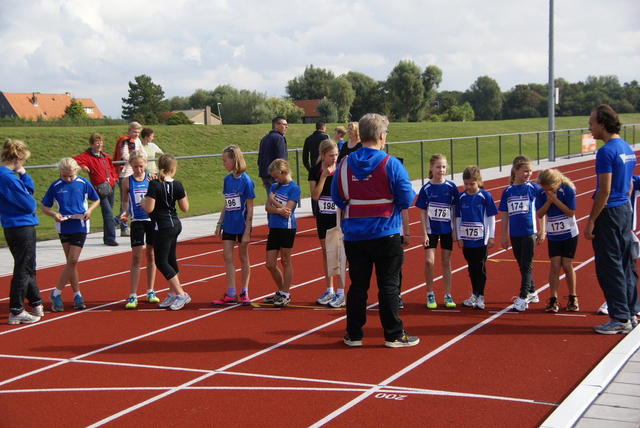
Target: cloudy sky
x=94, y=48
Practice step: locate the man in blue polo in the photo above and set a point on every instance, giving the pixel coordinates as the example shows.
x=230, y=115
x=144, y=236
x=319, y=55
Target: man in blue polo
x=609, y=224
x=372, y=188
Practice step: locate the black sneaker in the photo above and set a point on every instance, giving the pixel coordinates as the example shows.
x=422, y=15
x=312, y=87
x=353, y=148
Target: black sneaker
x=552, y=305
x=400, y=303
x=403, y=341
x=572, y=305
x=281, y=300
x=349, y=342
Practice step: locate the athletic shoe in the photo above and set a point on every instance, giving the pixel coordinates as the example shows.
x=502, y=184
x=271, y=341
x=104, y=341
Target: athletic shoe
x=132, y=302
x=125, y=232
x=37, y=311
x=572, y=305
x=431, y=301
x=326, y=297
x=270, y=299
x=448, y=301
x=520, y=304
x=350, y=342
x=111, y=243
x=226, y=300
x=533, y=297
x=281, y=300
x=179, y=302
x=400, y=303
x=613, y=327
x=479, y=303
x=23, y=317
x=634, y=321
x=151, y=297
x=403, y=341
x=337, y=301
x=604, y=309
x=56, y=301
x=78, y=302
x=471, y=301
x=244, y=299
x=552, y=305
x=168, y=301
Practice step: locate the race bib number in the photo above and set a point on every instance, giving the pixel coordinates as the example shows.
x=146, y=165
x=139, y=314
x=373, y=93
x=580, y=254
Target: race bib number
x=281, y=199
x=518, y=205
x=471, y=230
x=232, y=202
x=326, y=205
x=138, y=194
x=558, y=225
x=439, y=212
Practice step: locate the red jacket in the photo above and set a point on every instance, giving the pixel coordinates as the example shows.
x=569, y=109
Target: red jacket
x=97, y=172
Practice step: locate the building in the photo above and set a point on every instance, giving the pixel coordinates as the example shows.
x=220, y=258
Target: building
x=32, y=106
x=310, y=107
x=201, y=116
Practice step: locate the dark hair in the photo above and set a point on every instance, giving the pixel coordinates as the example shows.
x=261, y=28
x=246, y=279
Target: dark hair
x=473, y=173
x=319, y=125
x=146, y=132
x=608, y=117
x=276, y=119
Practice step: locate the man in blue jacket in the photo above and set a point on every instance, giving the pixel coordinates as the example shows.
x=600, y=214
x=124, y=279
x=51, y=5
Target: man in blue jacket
x=372, y=188
x=272, y=146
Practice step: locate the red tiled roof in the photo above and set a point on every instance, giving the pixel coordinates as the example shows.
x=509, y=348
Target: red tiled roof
x=309, y=107
x=49, y=106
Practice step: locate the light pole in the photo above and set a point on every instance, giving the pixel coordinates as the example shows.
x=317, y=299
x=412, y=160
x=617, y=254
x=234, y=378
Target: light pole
x=219, y=115
x=551, y=106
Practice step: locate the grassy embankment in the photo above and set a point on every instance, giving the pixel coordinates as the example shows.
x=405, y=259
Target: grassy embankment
x=203, y=177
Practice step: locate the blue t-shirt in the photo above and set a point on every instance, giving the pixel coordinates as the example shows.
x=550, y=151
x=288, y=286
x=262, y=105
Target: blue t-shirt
x=616, y=158
x=519, y=202
x=236, y=191
x=476, y=218
x=439, y=201
x=71, y=200
x=559, y=226
x=137, y=190
x=284, y=193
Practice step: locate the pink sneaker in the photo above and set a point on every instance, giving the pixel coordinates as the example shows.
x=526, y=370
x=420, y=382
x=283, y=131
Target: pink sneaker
x=226, y=300
x=244, y=299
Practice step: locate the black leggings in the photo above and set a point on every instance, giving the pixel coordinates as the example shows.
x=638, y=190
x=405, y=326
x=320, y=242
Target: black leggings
x=476, y=259
x=164, y=247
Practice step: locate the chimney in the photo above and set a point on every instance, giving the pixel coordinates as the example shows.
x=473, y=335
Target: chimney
x=207, y=115
x=34, y=99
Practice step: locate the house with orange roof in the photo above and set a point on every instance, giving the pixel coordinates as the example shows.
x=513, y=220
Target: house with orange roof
x=33, y=105
x=310, y=107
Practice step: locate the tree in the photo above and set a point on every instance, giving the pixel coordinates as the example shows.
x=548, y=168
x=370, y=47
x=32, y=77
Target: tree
x=284, y=107
x=201, y=98
x=145, y=102
x=178, y=119
x=461, y=113
x=75, y=110
x=178, y=103
x=342, y=94
x=365, y=89
x=485, y=98
x=314, y=84
x=328, y=111
x=431, y=79
x=407, y=91
x=521, y=102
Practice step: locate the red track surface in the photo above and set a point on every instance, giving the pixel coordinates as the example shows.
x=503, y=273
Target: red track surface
x=244, y=366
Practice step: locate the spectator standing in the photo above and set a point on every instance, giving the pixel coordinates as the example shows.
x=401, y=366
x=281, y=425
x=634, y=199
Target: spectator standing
x=354, y=141
x=272, y=146
x=311, y=148
x=150, y=149
x=338, y=134
x=124, y=146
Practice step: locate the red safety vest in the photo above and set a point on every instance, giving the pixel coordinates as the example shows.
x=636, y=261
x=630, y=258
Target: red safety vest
x=370, y=197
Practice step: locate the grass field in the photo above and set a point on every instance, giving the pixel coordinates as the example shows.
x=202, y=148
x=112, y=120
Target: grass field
x=203, y=177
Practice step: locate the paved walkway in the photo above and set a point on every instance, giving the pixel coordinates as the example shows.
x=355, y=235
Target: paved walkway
x=608, y=397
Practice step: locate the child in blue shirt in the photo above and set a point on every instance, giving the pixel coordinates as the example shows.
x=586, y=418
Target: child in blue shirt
x=281, y=204
x=517, y=205
x=70, y=194
x=234, y=224
x=437, y=201
x=475, y=224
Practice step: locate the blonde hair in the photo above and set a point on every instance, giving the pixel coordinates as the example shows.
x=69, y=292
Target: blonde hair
x=326, y=146
x=473, y=173
x=235, y=154
x=435, y=158
x=356, y=129
x=553, y=178
x=167, y=165
x=137, y=154
x=340, y=130
x=14, y=149
x=68, y=164
x=518, y=161
x=281, y=166
x=134, y=125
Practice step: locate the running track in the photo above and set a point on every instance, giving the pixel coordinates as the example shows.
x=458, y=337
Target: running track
x=244, y=366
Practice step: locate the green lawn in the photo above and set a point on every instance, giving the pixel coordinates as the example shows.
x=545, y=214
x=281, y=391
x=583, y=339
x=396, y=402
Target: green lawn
x=203, y=177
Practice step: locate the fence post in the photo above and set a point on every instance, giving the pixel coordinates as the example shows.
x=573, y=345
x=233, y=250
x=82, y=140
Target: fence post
x=500, y=152
x=520, y=144
x=478, y=151
x=538, y=146
x=298, y=172
x=422, y=161
x=451, y=149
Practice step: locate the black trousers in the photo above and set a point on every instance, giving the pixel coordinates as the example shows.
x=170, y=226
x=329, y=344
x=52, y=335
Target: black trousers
x=22, y=244
x=476, y=259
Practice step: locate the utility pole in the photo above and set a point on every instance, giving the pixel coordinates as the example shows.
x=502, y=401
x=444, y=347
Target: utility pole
x=552, y=106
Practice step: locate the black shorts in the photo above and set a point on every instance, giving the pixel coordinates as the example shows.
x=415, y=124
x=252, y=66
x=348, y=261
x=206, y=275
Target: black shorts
x=446, y=241
x=566, y=248
x=140, y=229
x=280, y=238
x=236, y=237
x=75, y=239
x=325, y=222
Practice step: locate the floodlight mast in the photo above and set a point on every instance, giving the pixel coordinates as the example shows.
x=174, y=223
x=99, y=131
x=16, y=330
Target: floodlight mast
x=551, y=102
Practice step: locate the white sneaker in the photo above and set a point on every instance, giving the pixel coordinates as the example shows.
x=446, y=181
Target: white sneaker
x=337, y=301
x=168, y=301
x=614, y=327
x=479, y=303
x=325, y=298
x=37, y=311
x=533, y=297
x=471, y=301
x=179, y=302
x=604, y=309
x=23, y=317
x=520, y=304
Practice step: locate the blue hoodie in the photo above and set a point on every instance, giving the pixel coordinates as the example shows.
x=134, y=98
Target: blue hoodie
x=362, y=162
x=17, y=206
